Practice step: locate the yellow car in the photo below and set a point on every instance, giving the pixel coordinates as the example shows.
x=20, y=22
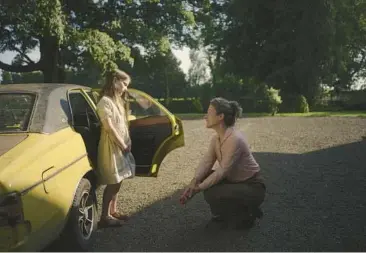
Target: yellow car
x=49, y=135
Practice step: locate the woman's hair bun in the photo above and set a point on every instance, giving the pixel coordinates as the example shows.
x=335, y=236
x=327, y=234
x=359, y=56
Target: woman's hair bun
x=237, y=110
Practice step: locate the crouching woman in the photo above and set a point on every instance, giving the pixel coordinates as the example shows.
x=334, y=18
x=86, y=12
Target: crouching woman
x=233, y=188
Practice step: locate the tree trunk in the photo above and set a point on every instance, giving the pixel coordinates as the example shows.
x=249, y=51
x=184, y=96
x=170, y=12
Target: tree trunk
x=213, y=70
x=167, y=90
x=215, y=66
x=52, y=67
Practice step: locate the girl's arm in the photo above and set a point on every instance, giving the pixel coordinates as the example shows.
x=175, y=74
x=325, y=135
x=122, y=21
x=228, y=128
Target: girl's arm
x=111, y=130
x=104, y=110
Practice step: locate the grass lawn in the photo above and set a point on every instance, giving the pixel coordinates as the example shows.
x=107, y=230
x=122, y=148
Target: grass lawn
x=187, y=116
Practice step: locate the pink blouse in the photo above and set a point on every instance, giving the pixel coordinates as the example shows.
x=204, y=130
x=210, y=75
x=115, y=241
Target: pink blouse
x=235, y=160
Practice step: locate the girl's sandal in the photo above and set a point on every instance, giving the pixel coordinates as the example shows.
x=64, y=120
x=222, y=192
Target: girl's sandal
x=120, y=216
x=110, y=222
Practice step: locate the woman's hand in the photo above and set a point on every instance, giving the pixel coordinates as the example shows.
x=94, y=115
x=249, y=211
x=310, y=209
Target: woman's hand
x=196, y=189
x=188, y=193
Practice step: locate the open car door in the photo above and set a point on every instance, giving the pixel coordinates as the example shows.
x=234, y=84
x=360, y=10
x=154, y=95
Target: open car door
x=154, y=131
x=85, y=120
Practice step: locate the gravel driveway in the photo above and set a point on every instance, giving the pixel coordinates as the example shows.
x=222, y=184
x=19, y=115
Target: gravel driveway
x=315, y=170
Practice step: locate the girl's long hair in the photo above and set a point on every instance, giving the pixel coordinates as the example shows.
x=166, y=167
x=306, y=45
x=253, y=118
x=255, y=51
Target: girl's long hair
x=109, y=89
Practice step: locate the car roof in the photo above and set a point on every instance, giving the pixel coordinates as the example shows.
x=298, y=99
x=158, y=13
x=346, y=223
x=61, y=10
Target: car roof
x=38, y=87
x=51, y=112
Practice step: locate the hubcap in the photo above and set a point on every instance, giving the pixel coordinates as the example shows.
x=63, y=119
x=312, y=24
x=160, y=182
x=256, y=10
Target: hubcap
x=86, y=215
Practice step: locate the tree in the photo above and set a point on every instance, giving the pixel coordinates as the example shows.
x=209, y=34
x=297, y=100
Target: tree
x=290, y=45
x=71, y=34
x=282, y=43
x=348, y=59
x=198, y=71
x=213, y=20
x=166, y=79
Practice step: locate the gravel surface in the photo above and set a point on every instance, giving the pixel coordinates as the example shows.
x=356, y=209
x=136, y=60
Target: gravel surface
x=315, y=170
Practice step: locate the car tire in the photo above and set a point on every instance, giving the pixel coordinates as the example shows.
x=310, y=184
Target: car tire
x=82, y=221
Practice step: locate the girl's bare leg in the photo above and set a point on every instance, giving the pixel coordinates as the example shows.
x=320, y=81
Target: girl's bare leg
x=113, y=203
x=110, y=192
x=113, y=209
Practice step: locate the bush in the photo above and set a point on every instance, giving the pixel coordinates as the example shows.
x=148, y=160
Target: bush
x=262, y=100
x=274, y=100
x=294, y=104
x=302, y=104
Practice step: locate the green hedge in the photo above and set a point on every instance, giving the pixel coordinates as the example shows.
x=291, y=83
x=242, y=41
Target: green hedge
x=290, y=104
x=345, y=101
x=353, y=100
x=197, y=105
x=181, y=105
x=254, y=105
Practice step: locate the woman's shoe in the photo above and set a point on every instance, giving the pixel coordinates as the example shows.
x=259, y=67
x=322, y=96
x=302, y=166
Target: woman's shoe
x=217, y=222
x=245, y=220
x=245, y=224
x=257, y=213
x=217, y=218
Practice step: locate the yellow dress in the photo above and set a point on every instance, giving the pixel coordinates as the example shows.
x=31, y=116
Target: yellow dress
x=111, y=169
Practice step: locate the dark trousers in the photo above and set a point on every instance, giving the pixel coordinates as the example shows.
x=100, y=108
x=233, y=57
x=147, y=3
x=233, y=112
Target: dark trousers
x=236, y=200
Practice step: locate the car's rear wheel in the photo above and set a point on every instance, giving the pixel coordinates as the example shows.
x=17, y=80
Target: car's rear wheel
x=82, y=219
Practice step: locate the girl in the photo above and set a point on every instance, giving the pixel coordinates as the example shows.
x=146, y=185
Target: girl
x=234, y=189
x=114, y=142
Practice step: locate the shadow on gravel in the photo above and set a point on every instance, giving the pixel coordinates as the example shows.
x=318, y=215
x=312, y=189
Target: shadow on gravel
x=316, y=202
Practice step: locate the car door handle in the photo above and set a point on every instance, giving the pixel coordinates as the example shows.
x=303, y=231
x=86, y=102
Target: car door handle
x=46, y=176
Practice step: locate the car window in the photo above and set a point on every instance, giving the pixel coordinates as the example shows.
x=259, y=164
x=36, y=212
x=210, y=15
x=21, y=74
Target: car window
x=81, y=110
x=141, y=106
x=15, y=111
x=93, y=96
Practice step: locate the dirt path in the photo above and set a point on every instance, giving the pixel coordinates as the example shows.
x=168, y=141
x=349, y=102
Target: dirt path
x=315, y=170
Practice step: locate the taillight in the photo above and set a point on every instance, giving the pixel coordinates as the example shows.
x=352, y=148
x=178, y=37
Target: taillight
x=11, y=209
x=176, y=129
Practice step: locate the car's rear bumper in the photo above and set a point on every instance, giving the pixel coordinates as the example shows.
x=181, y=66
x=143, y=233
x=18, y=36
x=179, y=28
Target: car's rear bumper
x=12, y=238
